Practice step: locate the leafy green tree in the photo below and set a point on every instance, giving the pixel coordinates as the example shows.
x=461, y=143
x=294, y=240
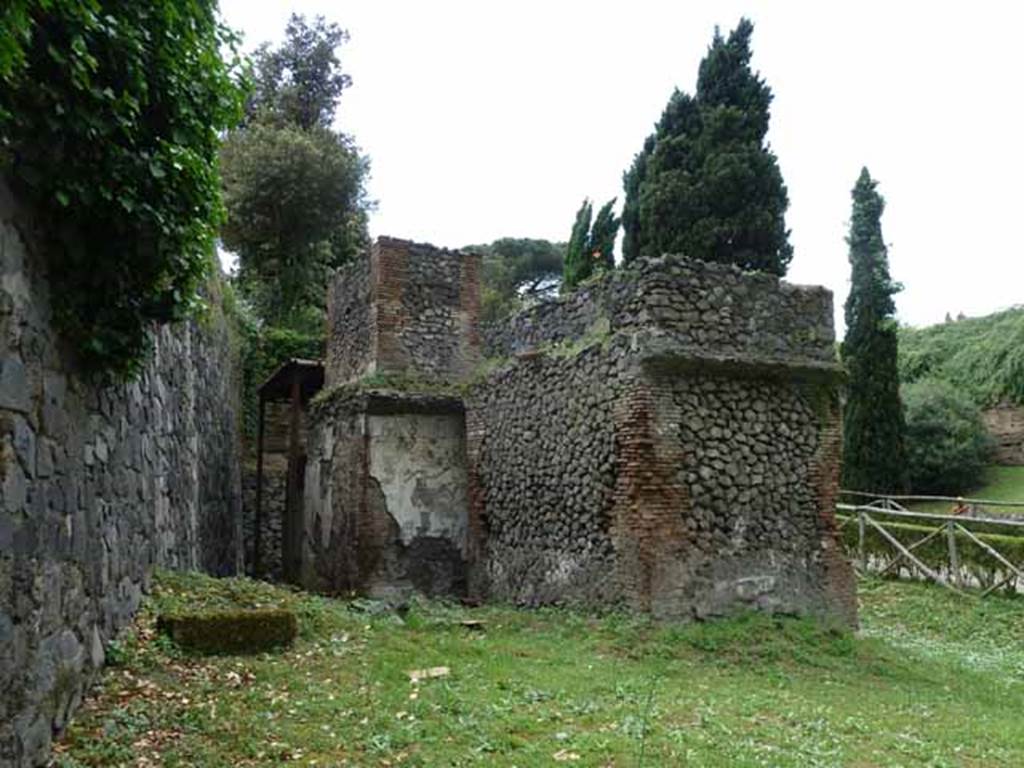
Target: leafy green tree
x=294, y=188
x=874, y=457
x=591, y=247
x=110, y=115
x=301, y=82
x=948, y=446
x=517, y=270
x=293, y=195
x=705, y=183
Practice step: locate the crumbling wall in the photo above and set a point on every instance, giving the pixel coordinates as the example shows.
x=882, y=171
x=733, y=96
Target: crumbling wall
x=98, y=484
x=676, y=451
x=541, y=446
x=404, y=308
x=385, y=502
x=351, y=322
x=702, y=309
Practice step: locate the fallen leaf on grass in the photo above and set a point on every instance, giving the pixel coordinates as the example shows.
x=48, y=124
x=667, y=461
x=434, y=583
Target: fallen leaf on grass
x=565, y=756
x=416, y=675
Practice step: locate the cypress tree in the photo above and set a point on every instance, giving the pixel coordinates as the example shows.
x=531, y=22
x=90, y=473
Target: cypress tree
x=577, y=259
x=873, y=441
x=705, y=184
x=602, y=237
x=591, y=248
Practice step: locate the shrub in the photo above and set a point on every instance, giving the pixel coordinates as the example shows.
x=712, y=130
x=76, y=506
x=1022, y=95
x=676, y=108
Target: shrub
x=947, y=445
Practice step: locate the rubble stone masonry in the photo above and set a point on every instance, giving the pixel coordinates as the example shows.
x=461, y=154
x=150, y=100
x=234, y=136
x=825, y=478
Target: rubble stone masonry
x=664, y=438
x=98, y=485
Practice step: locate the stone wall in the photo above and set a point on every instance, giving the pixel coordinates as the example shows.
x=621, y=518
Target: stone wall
x=99, y=485
x=1005, y=423
x=667, y=441
x=351, y=321
x=386, y=504
x=407, y=309
x=702, y=309
x=665, y=438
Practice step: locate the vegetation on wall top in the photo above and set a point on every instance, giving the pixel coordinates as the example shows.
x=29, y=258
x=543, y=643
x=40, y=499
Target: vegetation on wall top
x=109, y=121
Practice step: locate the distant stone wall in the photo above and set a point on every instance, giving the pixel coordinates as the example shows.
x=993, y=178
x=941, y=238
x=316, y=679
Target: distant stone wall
x=1005, y=423
x=386, y=495
x=674, y=449
x=276, y=429
x=275, y=490
x=404, y=308
x=99, y=485
x=702, y=308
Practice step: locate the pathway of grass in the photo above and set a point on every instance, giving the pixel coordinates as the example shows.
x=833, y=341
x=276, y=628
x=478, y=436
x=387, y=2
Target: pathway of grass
x=933, y=680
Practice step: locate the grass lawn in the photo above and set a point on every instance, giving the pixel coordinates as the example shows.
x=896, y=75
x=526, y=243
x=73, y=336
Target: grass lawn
x=999, y=484
x=931, y=680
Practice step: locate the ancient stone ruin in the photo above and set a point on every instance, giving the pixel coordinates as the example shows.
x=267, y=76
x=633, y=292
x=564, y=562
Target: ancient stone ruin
x=666, y=438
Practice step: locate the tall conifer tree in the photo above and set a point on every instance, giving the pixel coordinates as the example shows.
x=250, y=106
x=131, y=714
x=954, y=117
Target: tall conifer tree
x=873, y=442
x=577, y=259
x=591, y=248
x=705, y=184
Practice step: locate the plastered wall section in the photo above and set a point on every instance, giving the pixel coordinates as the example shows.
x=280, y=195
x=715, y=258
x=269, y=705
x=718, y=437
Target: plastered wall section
x=386, y=496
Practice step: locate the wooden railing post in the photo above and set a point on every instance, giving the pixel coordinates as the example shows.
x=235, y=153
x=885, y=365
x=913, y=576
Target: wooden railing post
x=954, y=556
x=860, y=540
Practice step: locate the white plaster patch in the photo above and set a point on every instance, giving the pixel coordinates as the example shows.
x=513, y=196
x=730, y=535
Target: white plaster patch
x=419, y=461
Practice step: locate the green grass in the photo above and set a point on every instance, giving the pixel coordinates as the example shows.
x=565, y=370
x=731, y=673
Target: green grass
x=931, y=680
x=999, y=484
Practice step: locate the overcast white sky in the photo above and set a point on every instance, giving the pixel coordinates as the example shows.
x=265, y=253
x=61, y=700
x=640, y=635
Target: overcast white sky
x=492, y=119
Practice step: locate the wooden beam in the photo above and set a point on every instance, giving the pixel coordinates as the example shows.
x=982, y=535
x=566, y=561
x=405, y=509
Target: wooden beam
x=907, y=554
x=258, y=523
x=990, y=550
x=911, y=548
x=290, y=526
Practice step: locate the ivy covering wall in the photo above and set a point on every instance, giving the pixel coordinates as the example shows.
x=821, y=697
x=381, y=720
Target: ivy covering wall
x=110, y=116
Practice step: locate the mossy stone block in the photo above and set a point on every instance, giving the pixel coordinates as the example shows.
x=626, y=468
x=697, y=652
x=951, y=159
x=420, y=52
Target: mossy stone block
x=250, y=631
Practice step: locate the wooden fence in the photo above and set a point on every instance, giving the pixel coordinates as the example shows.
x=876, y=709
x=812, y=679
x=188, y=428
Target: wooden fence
x=962, y=552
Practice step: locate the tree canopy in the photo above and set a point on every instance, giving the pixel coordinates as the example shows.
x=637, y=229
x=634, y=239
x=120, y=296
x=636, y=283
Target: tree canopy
x=705, y=184
x=300, y=82
x=294, y=187
x=874, y=457
x=948, y=446
x=982, y=356
x=517, y=270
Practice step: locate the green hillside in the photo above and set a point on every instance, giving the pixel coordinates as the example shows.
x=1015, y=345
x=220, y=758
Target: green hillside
x=983, y=356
